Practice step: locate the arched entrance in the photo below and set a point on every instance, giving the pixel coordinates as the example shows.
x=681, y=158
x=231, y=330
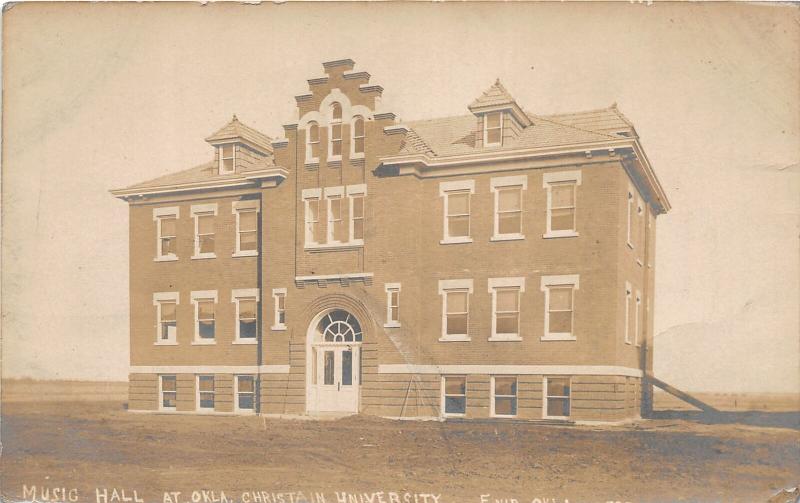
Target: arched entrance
x=333, y=367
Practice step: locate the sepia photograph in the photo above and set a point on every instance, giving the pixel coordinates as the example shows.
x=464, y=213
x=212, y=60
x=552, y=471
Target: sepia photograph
x=400, y=252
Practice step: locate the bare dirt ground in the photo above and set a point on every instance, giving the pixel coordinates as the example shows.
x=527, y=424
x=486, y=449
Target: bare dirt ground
x=83, y=446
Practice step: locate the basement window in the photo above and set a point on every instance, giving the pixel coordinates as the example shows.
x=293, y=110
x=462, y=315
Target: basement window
x=504, y=396
x=245, y=393
x=557, y=397
x=454, y=395
x=205, y=393
x=168, y=391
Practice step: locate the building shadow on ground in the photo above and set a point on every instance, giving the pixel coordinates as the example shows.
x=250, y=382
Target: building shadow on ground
x=788, y=420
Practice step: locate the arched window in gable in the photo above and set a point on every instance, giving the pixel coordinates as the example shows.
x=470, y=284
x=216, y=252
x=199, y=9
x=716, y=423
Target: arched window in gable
x=357, y=140
x=312, y=142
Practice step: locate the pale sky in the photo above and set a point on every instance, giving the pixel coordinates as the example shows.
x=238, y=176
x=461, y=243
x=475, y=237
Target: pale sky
x=100, y=96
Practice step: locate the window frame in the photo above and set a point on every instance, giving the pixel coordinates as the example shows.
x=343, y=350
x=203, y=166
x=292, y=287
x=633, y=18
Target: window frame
x=641, y=230
x=237, y=392
x=354, y=192
x=560, y=178
x=331, y=123
x=494, y=396
x=496, y=284
x=447, y=287
x=446, y=189
x=560, y=281
x=546, y=396
x=198, y=393
x=332, y=193
x=159, y=214
x=628, y=299
x=198, y=296
x=203, y=210
x=498, y=185
x=637, y=324
x=486, y=129
x=390, y=289
x=161, y=406
x=310, y=157
x=444, y=395
x=160, y=298
x=221, y=165
x=237, y=208
x=630, y=202
x=309, y=224
x=238, y=295
x=354, y=137
x=277, y=294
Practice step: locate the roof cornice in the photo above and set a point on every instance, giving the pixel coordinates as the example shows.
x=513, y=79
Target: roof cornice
x=259, y=178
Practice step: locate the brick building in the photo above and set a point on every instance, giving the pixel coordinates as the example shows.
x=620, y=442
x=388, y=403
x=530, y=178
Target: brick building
x=494, y=264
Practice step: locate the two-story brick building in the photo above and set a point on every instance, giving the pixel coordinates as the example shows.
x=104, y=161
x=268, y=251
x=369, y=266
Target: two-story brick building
x=494, y=264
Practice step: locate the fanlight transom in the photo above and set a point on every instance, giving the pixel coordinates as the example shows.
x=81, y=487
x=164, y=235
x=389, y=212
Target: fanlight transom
x=339, y=326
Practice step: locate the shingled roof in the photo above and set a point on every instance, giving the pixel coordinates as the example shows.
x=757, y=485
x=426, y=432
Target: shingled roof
x=495, y=95
x=238, y=130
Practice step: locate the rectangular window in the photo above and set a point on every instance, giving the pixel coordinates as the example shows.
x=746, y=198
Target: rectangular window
x=336, y=141
x=246, y=301
x=337, y=232
x=455, y=309
x=227, y=158
x=245, y=393
x=630, y=218
x=557, y=397
x=279, y=299
x=637, y=318
x=628, y=312
x=204, y=319
x=246, y=232
x=205, y=392
x=493, y=129
x=166, y=220
x=313, y=234
x=392, y=305
x=509, y=211
x=357, y=217
x=559, y=294
x=507, y=311
x=456, y=196
x=504, y=396
x=169, y=392
x=203, y=215
x=454, y=395
x=561, y=203
x=166, y=304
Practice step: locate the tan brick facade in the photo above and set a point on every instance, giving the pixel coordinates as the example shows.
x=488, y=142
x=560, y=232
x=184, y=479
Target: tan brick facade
x=396, y=369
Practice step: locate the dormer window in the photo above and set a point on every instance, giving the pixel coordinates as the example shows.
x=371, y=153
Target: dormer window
x=493, y=129
x=357, y=141
x=335, y=140
x=312, y=142
x=227, y=158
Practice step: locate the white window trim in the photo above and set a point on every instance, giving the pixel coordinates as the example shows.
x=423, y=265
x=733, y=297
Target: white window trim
x=545, y=415
x=486, y=129
x=334, y=122
x=494, y=284
x=628, y=297
x=277, y=292
x=199, y=210
x=445, y=286
x=356, y=190
x=442, y=397
x=637, y=321
x=238, y=294
x=353, y=153
x=389, y=288
x=158, y=298
x=310, y=159
x=236, y=408
x=197, y=407
x=446, y=188
x=308, y=195
x=161, y=392
x=221, y=169
x=197, y=296
x=548, y=179
x=502, y=182
x=560, y=280
x=642, y=231
x=158, y=214
x=236, y=208
x=332, y=193
x=629, y=202
x=492, y=397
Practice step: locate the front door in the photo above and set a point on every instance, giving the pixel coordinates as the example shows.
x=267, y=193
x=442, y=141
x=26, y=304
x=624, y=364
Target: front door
x=337, y=377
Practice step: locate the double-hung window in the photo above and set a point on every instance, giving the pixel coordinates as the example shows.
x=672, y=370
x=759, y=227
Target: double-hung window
x=246, y=213
x=205, y=393
x=337, y=225
x=166, y=220
x=630, y=227
x=356, y=194
x=637, y=324
x=454, y=395
x=204, y=317
x=357, y=138
x=508, y=206
x=561, y=203
x=493, y=129
x=166, y=304
x=313, y=229
x=246, y=302
x=204, y=216
x=227, y=158
x=279, y=300
x=556, y=397
x=245, y=393
x=504, y=396
x=455, y=309
x=312, y=143
x=456, y=197
x=169, y=392
x=505, y=294
x=559, y=298
x=392, y=305
x=629, y=312
x=335, y=132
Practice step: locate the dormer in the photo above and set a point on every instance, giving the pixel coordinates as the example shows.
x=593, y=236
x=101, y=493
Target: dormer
x=239, y=147
x=500, y=119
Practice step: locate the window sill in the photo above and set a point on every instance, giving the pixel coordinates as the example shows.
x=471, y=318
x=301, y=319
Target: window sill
x=560, y=234
x=203, y=343
x=278, y=328
x=451, y=415
x=558, y=337
x=505, y=338
x=628, y=343
x=311, y=162
x=166, y=343
x=246, y=342
x=457, y=240
x=454, y=338
x=392, y=324
x=557, y=418
x=356, y=156
x=629, y=245
x=245, y=253
x=168, y=258
x=205, y=411
x=503, y=416
x=334, y=158
x=203, y=256
x=639, y=262
x=507, y=237
x=335, y=246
